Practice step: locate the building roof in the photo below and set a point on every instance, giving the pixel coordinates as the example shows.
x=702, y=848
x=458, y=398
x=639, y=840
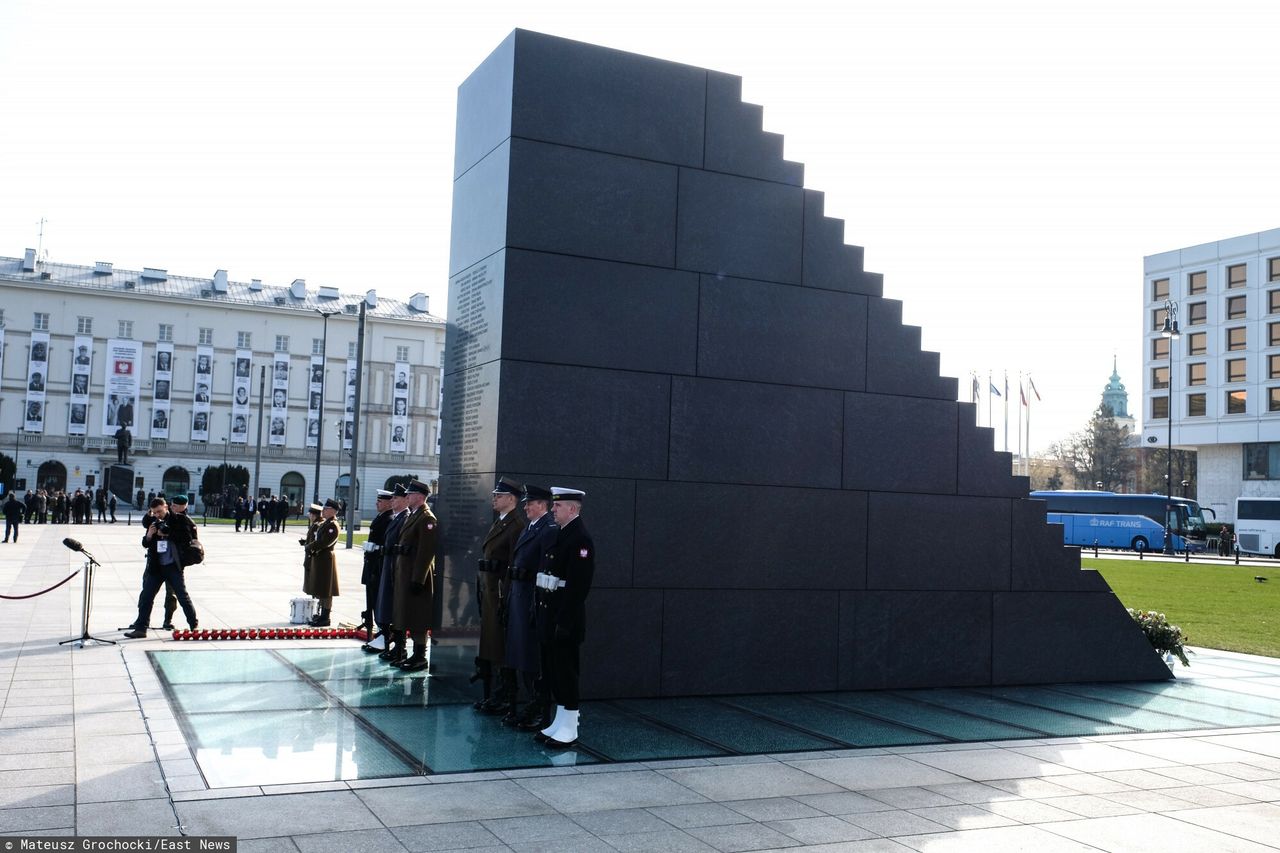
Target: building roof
x=159, y=283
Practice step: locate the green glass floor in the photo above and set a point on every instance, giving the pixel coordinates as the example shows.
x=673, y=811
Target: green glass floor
x=289, y=715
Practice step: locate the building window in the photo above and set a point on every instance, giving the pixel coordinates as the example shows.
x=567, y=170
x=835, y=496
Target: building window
x=1197, y=282
x=1195, y=405
x=1262, y=461
x=1197, y=343
x=244, y=340
x=1237, y=276
x=1160, y=349
x=1236, y=339
x=206, y=337
x=1273, y=367
x=317, y=346
x=1273, y=399
x=1196, y=374
x=1159, y=408
x=1273, y=334
x=282, y=343
x=165, y=333
x=1159, y=378
x=1160, y=290
x=1, y=318
x=1273, y=301
x=402, y=353
x=1197, y=313
x=351, y=349
x=1236, y=402
x=1235, y=370
x=1235, y=307
x=40, y=322
x=1273, y=269
x=1157, y=318
x=126, y=329
x=84, y=325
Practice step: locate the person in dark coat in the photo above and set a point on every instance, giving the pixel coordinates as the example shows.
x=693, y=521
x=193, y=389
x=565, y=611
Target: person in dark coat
x=13, y=510
x=166, y=540
x=384, y=610
x=322, y=572
x=416, y=575
x=562, y=608
x=523, y=652
x=491, y=592
x=372, y=569
x=313, y=521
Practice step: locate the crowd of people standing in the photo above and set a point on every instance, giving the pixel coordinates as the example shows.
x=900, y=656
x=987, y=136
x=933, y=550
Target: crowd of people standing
x=56, y=506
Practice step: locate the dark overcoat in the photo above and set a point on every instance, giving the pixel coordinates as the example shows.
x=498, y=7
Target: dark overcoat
x=492, y=586
x=384, y=609
x=523, y=651
x=416, y=564
x=373, y=557
x=322, y=572
x=572, y=559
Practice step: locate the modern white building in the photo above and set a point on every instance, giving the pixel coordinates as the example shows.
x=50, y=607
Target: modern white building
x=1223, y=372
x=183, y=362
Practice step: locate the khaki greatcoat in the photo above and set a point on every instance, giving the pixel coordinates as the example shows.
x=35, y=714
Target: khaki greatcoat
x=416, y=564
x=494, y=587
x=322, y=571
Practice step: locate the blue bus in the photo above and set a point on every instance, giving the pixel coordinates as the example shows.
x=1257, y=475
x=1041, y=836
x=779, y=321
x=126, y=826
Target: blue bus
x=1112, y=520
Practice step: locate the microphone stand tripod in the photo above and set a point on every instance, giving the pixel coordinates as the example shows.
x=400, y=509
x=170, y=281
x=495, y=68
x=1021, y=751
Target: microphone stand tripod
x=86, y=603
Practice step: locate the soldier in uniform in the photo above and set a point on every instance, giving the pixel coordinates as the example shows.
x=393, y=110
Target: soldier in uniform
x=391, y=649
x=416, y=575
x=491, y=593
x=322, y=573
x=523, y=652
x=563, y=585
x=372, y=569
x=313, y=521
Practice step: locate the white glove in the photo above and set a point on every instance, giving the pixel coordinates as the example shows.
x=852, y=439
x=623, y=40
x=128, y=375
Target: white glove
x=368, y=547
x=546, y=581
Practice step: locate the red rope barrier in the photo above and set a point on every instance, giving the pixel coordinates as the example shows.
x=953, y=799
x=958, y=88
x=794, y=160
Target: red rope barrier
x=43, y=591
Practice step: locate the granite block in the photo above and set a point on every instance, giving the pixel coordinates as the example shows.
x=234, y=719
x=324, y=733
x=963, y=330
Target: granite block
x=469, y=422
x=592, y=313
x=1056, y=637
x=484, y=107
x=895, y=362
x=742, y=432
x=736, y=140
x=734, y=226
x=829, y=262
x=918, y=639
x=618, y=662
x=899, y=444
x=691, y=535
x=981, y=470
x=788, y=638
x=480, y=198
x=968, y=546
x=780, y=333
x=1039, y=559
x=587, y=96
x=473, y=334
x=579, y=202
x=583, y=422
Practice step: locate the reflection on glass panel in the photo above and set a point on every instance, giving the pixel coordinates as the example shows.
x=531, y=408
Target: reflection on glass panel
x=1160, y=349
x=1196, y=373
x=1197, y=343
x=1235, y=370
x=1195, y=405
x=1197, y=313
x=1273, y=269
x=1236, y=308
x=1160, y=407
x=1159, y=377
x=1237, y=276
x=1157, y=318
x=1236, y=402
x=1236, y=339
x=1197, y=282
x=1273, y=399
x=1160, y=289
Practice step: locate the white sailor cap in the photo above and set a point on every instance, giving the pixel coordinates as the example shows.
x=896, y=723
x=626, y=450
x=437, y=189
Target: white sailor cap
x=559, y=493
x=384, y=494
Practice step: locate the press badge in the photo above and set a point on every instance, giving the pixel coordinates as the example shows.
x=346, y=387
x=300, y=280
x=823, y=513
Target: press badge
x=162, y=547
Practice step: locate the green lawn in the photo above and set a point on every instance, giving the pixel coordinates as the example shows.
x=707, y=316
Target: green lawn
x=1219, y=607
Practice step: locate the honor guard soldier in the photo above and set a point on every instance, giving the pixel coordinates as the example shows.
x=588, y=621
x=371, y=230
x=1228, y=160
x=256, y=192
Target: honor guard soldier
x=523, y=652
x=492, y=588
x=416, y=575
x=390, y=645
x=372, y=569
x=322, y=574
x=563, y=585
x=313, y=522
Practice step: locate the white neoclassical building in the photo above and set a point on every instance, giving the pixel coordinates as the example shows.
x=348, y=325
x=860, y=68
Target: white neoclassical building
x=206, y=369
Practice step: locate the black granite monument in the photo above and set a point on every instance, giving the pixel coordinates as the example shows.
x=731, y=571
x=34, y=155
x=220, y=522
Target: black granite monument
x=646, y=303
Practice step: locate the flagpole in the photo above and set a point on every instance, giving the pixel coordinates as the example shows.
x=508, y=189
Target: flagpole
x=1020, y=397
x=1028, y=457
x=1006, y=411
x=990, y=384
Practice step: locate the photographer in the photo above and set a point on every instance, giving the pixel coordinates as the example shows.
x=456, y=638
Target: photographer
x=167, y=539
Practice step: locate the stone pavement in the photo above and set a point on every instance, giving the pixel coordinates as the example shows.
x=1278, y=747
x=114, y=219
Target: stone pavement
x=88, y=745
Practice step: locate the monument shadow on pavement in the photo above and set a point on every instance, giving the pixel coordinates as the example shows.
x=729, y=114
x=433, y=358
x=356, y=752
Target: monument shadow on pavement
x=647, y=304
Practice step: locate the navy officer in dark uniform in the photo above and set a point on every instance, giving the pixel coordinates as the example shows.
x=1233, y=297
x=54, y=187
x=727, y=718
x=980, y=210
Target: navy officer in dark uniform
x=523, y=651
x=372, y=571
x=563, y=586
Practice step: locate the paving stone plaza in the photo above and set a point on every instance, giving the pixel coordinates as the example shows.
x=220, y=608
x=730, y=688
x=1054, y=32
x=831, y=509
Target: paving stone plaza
x=100, y=741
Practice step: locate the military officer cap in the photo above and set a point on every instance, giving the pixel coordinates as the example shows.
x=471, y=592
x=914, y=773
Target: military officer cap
x=536, y=493
x=419, y=487
x=180, y=499
x=507, y=486
x=332, y=504
x=561, y=494
x=315, y=508
x=399, y=491
x=384, y=494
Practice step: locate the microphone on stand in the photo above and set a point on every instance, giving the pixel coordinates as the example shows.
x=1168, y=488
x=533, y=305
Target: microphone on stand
x=72, y=544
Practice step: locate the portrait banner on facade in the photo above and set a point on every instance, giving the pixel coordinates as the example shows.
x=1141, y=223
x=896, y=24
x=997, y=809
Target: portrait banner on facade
x=279, y=399
x=349, y=408
x=399, y=441
x=121, y=384
x=201, y=408
x=162, y=390
x=315, y=383
x=37, y=380
x=241, y=381
x=81, y=369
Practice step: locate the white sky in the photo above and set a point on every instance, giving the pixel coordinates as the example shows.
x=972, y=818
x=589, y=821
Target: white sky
x=1006, y=164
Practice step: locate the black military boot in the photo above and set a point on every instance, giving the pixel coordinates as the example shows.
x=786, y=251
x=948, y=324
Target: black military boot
x=418, y=661
x=169, y=610
x=395, y=648
x=509, y=693
x=541, y=715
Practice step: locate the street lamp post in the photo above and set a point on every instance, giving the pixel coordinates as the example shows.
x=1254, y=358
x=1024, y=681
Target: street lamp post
x=1172, y=333
x=324, y=359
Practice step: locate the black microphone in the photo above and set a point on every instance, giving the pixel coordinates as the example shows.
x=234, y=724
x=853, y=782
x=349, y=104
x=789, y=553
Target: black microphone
x=72, y=544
